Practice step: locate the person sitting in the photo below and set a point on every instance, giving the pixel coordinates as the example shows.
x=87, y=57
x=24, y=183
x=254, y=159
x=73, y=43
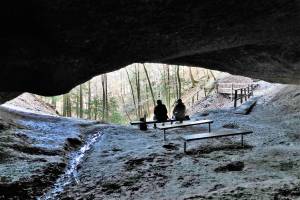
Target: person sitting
x=179, y=111
x=160, y=112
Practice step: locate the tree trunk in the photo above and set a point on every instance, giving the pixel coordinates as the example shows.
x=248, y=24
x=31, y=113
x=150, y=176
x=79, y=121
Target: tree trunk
x=179, y=82
x=194, y=82
x=128, y=116
x=131, y=88
x=77, y=103
x=169, y=89
x=165, y=83
x=64, y=107
x=147, y=99
x=137, y=82
x=69, y=105
x=80, y=102
x=103, y=97
x=212, y=74
x=106, y=98
x=176, y=84
x=149, y=83
x=53, y=102
x=89, y=100
x=96, y=107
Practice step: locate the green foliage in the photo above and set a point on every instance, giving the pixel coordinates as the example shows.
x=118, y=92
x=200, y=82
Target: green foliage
x=115, y=115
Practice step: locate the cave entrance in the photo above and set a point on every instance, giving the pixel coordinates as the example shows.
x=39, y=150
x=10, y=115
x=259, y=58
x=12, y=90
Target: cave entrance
x=131, y=93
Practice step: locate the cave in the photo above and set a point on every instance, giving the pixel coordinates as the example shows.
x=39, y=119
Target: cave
x=50, y=47
x=59, y=48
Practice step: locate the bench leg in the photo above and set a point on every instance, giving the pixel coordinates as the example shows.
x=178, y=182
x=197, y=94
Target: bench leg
x=242, y=138
x=184, y=147
x=154, y=126
x=164, y=135
x=208, y=127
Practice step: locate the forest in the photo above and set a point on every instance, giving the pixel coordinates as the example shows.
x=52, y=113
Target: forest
x=130, y=93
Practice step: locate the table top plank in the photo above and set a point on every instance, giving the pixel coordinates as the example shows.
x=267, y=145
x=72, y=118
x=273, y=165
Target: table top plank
x=184, y=124
x=153, y=121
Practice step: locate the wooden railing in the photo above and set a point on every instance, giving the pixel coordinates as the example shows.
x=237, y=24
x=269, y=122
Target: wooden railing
x=243, y=94
x=228, y=88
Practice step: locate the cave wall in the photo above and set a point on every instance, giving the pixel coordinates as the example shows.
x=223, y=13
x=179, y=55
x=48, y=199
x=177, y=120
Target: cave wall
x=48, y=47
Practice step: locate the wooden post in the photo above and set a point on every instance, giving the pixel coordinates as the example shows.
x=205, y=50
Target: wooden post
x=242, y=140
x=231, y=91
x=235, y=98
x=245, y=93
x=248, y=89
x=241, y=97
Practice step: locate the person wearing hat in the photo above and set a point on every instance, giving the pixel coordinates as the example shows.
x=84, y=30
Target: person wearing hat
x=179, y=111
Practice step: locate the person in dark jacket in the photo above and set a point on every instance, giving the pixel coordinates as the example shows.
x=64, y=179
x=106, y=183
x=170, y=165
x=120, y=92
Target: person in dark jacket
x=160, y=112
x=179, y=111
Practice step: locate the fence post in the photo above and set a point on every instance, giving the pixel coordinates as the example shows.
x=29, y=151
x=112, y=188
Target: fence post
x=231, y=91
x=241, y=97
x=235, y=97
x=245, y=93
x=248, y=88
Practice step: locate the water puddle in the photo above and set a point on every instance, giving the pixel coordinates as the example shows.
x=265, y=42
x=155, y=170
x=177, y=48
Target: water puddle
x=70, y=173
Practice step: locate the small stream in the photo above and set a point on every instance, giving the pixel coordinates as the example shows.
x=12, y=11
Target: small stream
x=70, y=173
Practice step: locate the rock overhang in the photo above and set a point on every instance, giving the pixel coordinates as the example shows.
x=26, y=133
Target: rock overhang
x=49, y=47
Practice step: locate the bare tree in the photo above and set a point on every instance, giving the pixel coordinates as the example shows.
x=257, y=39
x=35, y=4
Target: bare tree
x=89, y=99
x=131, y=88
x=80, y=101
x=194, y=82
x=149, y=83
x=179, y=82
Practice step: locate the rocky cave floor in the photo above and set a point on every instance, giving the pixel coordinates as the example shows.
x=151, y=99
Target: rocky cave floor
x=127, y=163
x=34, y=150
x=131, y=164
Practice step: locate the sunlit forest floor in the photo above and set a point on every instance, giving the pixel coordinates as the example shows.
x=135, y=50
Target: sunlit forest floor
x=126, y=163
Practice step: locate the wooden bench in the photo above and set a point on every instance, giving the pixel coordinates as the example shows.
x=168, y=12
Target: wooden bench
x=184, y=124
x=216, y=134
